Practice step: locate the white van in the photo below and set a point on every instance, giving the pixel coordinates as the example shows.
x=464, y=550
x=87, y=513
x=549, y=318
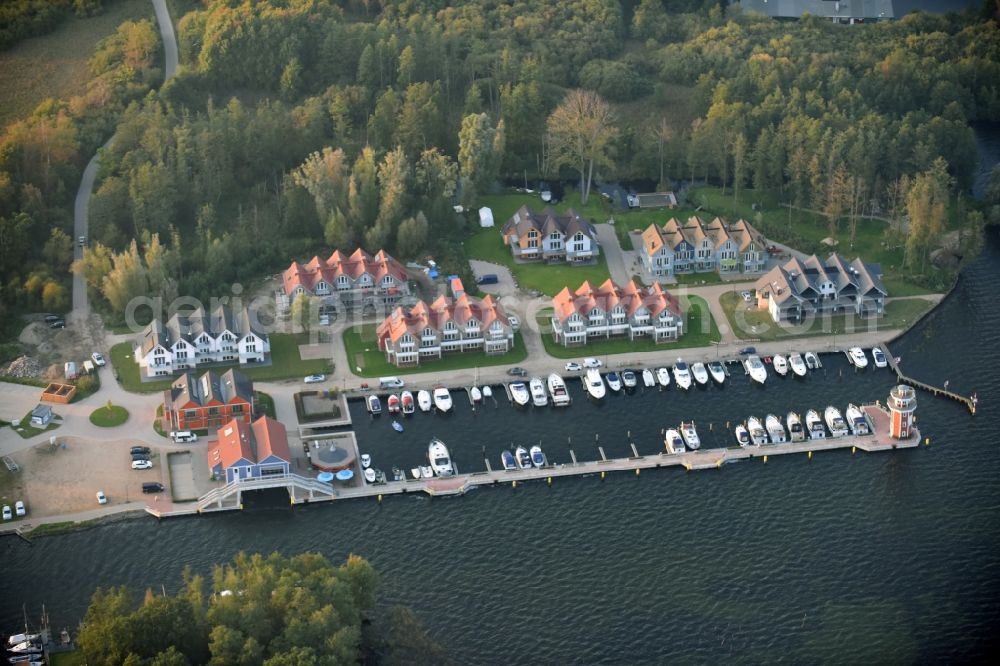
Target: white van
x=183, y=436
x=390, y=382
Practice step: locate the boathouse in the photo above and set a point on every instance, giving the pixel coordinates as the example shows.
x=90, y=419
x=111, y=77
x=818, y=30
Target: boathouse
x=253, y=451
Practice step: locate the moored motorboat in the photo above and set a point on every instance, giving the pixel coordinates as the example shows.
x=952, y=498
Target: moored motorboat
x=519, y=393
x=539, y=398
x=406, y=399
x=397, y=426
x=397, y=474
x=663, y=377
x=26, y=647
x=594, y=384
x=690, y=435
x=857, y=357
x=674, y=442
x=537, y=456
x=442, y=399
x=718, y=372
x=757, y=433
x=629, y=379
x=775, y=430
x=370, y=475
x=475, y=394
x=742, y=435
x=373, y=404
x=33, y=658
x=780, y=364
x=440, y=459
x=424, y=400
x=415, y=471
x=682, y=375
x=795, y=430
x=614, y=381
x=379, y=476
x=812, y=361
x=557, y=387
x=366, y=460
x=814, y=425
x=699, y=373
x=835, y=422
x=797, y=365
x=648, y=380
x=22, y=638
x=392, y=404
x=879, y=357
x=507, y=459
x=755, y=368
x=487, y=391
x=523, y=457
x=426, y=472
x=856, y=420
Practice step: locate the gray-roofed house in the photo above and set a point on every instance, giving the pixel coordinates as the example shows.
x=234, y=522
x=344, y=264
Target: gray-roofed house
x=41, y=415
x=186, y=341
x=550, y=236
x=801, y=289
x=208, y=401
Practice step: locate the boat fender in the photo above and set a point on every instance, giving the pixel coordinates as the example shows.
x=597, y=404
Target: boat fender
x=380, y=499
x=637, y=470
x=810, y=455
x=550, y=480
x=765, y=460
x=854, y=450
x=513, y=484
x=602, y=476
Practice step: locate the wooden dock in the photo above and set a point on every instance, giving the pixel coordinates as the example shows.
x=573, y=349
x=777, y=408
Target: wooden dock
x=969, y=402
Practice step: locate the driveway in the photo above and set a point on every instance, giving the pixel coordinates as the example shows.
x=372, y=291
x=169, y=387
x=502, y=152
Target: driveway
x=620, y=262
x=506, y=285
x=16, y=400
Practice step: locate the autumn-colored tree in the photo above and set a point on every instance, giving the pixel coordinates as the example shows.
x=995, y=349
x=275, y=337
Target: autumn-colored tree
x=927, y=206
x=581, y=132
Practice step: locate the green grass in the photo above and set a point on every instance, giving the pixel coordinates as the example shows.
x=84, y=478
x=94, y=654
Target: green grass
x=71, y=658
x=51, y=529
x=285, y=364
x=754, y=324
x=27, y=431
x=638, y=220
x=696, y=334
x=109, y=418
x=265, y=404
x=55, y=65
x=363, y=352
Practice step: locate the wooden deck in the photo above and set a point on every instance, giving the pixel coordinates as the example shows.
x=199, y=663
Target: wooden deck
x=970, y=402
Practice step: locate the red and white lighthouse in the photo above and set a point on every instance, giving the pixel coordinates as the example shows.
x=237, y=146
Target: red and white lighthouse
x=902, y=403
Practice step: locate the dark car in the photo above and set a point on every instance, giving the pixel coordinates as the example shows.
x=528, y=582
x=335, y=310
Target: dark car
x=58, y=323
x=489, y=278
x=517, y=372
x=748, y=350
x=140, y=451
x=51, y=318
x=152, y=487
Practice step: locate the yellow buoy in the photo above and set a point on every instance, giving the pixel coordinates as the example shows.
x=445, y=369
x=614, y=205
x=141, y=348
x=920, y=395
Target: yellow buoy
x=602, y=475
x=765, y=459
x=927, y=441
x=637, y=471
x=550, y=480
x=854, y=450
x=513, y=484
x=241, y=506
x=810, y=455
x=379, y=499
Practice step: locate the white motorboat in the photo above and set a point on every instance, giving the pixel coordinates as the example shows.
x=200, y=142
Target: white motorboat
x=780, y=364
x=523, y=457
x=718, y=372
x=392, y=403
x=674, y=442
x=682, y=375
x=742, y=435
x=415, y=472
x=426, y=472
x=537, y=457
x=437, y=453
x=795, y=430
x=614, y=381
x=594, y=384
x=757, y=433
x=835, y=422
x=629, y=379
x=26, y=647
x=539, y=398
x=476, y=394
x=700, y=373
x=755, y=367
x=814, y=425
x=487, y=391
x=797, y=365
x=812, y=361
x=366, y=460
x=557, y=387
x=370, y=475
x=879, y=357
x=373, y=404
x=690, y=435
x=856, y=420
x=397, y=426
x=775, y=430
x=663, y=377
x=22, y=638
x=407, y=402
x=857, y=357
x=648, y=380
x=507, y=458
x=442, y=399
x=424, y=400
x=519, y=393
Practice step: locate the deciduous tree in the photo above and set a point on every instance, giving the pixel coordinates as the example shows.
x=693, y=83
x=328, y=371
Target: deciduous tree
x=581, y=132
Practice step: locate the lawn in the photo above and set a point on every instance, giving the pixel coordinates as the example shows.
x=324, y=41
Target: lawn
x=363, y=353
x=638, y=220
x=753, y=324
x=109, y=416
x=71, y=658
x=697, y=334
x=265, y=404
x=285, y=364
x=27, y=431
x=55, y=65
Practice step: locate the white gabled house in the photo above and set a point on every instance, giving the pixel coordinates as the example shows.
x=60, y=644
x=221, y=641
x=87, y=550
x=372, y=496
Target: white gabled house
x=695, y=246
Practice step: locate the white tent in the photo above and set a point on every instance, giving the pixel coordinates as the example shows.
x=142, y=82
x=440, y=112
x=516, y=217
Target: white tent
x=485, y=217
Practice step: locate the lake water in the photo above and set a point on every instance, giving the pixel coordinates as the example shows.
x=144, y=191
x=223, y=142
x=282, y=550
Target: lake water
x=889, y=557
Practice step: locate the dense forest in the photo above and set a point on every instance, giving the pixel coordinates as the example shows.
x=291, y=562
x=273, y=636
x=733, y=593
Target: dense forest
x=300, y=124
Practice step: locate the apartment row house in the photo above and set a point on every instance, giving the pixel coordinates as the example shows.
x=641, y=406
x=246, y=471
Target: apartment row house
x=348, y=281
x=246, y=451
x=611, y=310
x=698, y=247
x=208, y=401
x=187, y=341
x=409, y=336
x=799, y=289
x=550, y=236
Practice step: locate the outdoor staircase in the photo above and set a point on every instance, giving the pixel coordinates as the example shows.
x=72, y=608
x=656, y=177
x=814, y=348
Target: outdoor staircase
x=300, y=489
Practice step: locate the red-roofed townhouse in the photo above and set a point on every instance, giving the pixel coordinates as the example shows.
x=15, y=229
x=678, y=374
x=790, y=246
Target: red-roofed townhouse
x=609, y=310
x=250, y=451
x=351, y=281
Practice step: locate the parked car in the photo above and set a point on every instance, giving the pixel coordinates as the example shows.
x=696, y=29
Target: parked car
x=58, y=323
x=152, y=487
x=140, y=456
x=82, y=240
x=101, y=497
x=140, y=450
x=142, y=464
x=592, y=362
x=314, y=379
x=7, y=515
x=515, y=322
x=517, y=372
x=183, y=436
x=746, y=351
x=98, y=359
x=19, y=508
x=573, y=366
x=489, y=278
x=747, y=296
x=49, y=318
